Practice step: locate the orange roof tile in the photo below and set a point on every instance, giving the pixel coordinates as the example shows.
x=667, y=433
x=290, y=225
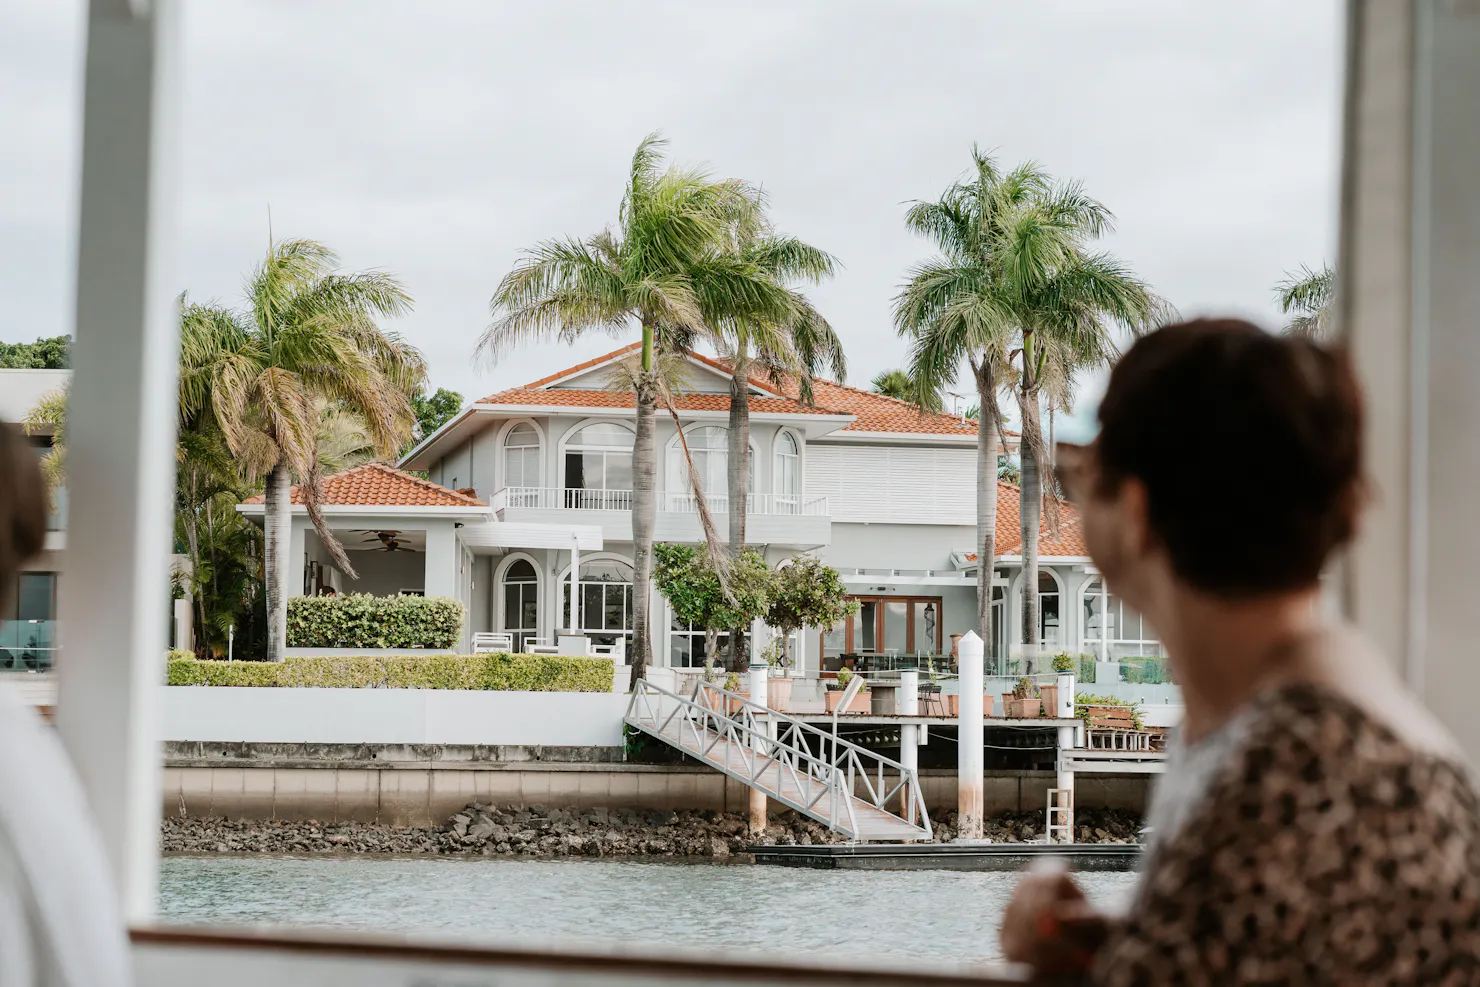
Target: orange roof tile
x=1068, y=544
x=376, y=484
x=572, y=398
x=872, y=412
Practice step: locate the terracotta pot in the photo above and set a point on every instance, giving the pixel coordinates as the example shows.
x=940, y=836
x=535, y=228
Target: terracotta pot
x=1007, y=704
x=1024, y=709
x=778, y=694
x=1050, y=699
x=862, y=703
x=953, y=704
x=737, y=705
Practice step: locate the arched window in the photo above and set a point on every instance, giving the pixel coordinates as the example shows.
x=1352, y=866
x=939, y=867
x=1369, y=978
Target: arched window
x=598, y=468
x=606, y=601
x=522, y=463
x=709, y=447
x=1112, y=629
x=1048, y=611
x=788, y=473
x=521, y=614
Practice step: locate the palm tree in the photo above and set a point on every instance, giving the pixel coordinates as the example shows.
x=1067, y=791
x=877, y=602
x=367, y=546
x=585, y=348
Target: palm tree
x=1308, y=295
x=898, y=385
x=1017, y=296
x=307, y=339
x=780, y=334
x=670, y=267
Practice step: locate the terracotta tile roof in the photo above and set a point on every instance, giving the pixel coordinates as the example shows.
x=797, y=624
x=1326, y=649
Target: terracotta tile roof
x=375, y=484
x=872, y=412
x=1068, y=544
x=571, y=398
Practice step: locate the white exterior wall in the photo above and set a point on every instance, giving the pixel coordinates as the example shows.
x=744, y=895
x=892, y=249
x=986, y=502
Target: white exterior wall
x=390, y=716
x=896, y=484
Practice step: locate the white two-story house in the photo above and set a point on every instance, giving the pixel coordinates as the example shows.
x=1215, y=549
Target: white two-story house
x=527, y=483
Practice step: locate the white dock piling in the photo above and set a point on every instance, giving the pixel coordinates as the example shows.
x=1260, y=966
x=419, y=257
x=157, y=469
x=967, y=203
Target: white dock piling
x=970, y=737
x=909, y=734
x=758, y=674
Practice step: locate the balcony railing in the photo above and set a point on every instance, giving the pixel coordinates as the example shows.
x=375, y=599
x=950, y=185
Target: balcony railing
x=558, y=498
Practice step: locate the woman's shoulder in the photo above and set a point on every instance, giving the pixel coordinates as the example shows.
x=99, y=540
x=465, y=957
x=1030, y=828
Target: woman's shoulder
x=1312, y=738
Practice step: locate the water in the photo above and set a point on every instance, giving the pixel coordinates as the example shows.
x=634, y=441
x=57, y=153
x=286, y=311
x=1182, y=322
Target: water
x=843, y=916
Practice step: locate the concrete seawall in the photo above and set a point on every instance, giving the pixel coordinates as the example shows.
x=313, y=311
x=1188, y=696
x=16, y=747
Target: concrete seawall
x=408, y=785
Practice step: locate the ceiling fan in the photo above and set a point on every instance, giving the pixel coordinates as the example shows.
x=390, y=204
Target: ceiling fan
x=386, y=538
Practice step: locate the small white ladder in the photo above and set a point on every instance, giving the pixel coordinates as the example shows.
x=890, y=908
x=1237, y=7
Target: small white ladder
x=1060, y=823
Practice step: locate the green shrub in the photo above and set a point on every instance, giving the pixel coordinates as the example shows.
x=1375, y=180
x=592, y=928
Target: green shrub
x=489, y=672
x=363, y=621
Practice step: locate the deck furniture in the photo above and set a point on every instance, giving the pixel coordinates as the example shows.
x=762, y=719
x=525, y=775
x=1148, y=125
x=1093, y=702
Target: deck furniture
x=492, y=641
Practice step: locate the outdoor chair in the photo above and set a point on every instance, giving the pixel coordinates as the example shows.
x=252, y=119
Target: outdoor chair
x=540, y=646
x=929, y=696
x=616, y=652
x=492, y=641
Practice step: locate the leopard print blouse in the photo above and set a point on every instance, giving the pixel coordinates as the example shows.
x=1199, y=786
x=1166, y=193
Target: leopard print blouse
x=1327, y=851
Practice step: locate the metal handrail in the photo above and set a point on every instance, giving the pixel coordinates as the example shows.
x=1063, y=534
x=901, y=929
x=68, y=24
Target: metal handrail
x=837, y=774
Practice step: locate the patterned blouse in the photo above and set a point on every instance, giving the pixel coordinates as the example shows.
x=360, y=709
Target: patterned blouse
x=1326, y=850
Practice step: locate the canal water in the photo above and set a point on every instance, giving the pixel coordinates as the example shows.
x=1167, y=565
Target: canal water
x=844, y=916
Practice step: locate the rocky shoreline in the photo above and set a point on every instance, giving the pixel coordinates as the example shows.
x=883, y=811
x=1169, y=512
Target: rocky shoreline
x=537, y=832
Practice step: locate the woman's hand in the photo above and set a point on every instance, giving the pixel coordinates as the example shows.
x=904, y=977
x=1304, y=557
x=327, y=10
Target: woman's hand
x=1050, y=926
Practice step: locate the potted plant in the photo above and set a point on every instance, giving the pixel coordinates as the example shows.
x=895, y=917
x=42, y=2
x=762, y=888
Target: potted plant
x=1025, y=702
x=736, y=685
x=778, y=683
x=862, y=703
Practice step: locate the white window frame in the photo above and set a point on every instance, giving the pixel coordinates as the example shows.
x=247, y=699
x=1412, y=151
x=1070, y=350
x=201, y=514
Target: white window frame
x=1017, y=608
x=675, y=474
x=562, y=584
x=500, y=617
x=1102, y=647
x=567, y=447
x=788, y=501
x=503, y=438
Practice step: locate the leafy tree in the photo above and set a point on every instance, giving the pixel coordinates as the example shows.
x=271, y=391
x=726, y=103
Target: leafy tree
x=1308, y=294
x=807, y=592
x=306, y=335
x=670, y=268
x=1017, y=294
x=688, y=579
x=52, y=353
x=897, y=384
x=433, y=411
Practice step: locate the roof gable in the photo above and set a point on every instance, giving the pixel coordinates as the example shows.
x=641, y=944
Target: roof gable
x=377, y=485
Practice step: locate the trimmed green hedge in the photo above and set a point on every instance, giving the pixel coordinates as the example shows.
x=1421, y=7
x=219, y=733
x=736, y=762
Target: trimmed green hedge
x=364, y=621
x=488, y=671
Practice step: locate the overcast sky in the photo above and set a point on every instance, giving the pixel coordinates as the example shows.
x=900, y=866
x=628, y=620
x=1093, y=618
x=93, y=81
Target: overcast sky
x=436, y=139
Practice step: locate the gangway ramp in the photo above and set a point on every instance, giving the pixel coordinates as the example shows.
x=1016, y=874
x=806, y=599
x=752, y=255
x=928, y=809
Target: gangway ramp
x=850, y=789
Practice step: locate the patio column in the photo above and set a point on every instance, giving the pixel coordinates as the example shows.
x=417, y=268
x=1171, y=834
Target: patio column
x=121, y=456
x=758, y=673
x=441, y=575
x=575, y=586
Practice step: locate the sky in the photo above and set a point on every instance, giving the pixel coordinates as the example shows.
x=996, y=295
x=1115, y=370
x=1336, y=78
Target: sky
x=436, y=140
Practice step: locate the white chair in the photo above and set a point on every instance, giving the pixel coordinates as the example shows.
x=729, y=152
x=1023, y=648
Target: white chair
x=492, y=641
x=616, y=652
x=540, y=646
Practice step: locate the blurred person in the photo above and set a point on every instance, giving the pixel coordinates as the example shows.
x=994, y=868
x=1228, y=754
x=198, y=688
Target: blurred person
x=1315, y=824
x=60, y=924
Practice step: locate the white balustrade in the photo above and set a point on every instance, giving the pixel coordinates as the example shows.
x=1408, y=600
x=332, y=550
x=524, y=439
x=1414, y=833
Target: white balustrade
x=570, y=498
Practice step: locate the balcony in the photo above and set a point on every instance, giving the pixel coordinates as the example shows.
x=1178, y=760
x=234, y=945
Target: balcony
x=771, y=519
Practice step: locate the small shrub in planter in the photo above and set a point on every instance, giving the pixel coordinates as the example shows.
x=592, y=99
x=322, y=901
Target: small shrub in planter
x=360, y=620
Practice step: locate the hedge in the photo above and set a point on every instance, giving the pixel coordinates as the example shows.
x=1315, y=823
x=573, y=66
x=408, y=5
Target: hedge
x=488, y=671
x=364, y=621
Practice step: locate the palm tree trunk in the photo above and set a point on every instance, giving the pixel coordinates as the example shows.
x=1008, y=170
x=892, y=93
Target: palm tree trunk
x=739, y=474
x=1031, y=507
x=644, y=510
x=277, y=521
x=986, y=501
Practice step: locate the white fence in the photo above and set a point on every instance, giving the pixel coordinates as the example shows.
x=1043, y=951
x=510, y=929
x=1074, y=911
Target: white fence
x=557, y=498
x=226, y=714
